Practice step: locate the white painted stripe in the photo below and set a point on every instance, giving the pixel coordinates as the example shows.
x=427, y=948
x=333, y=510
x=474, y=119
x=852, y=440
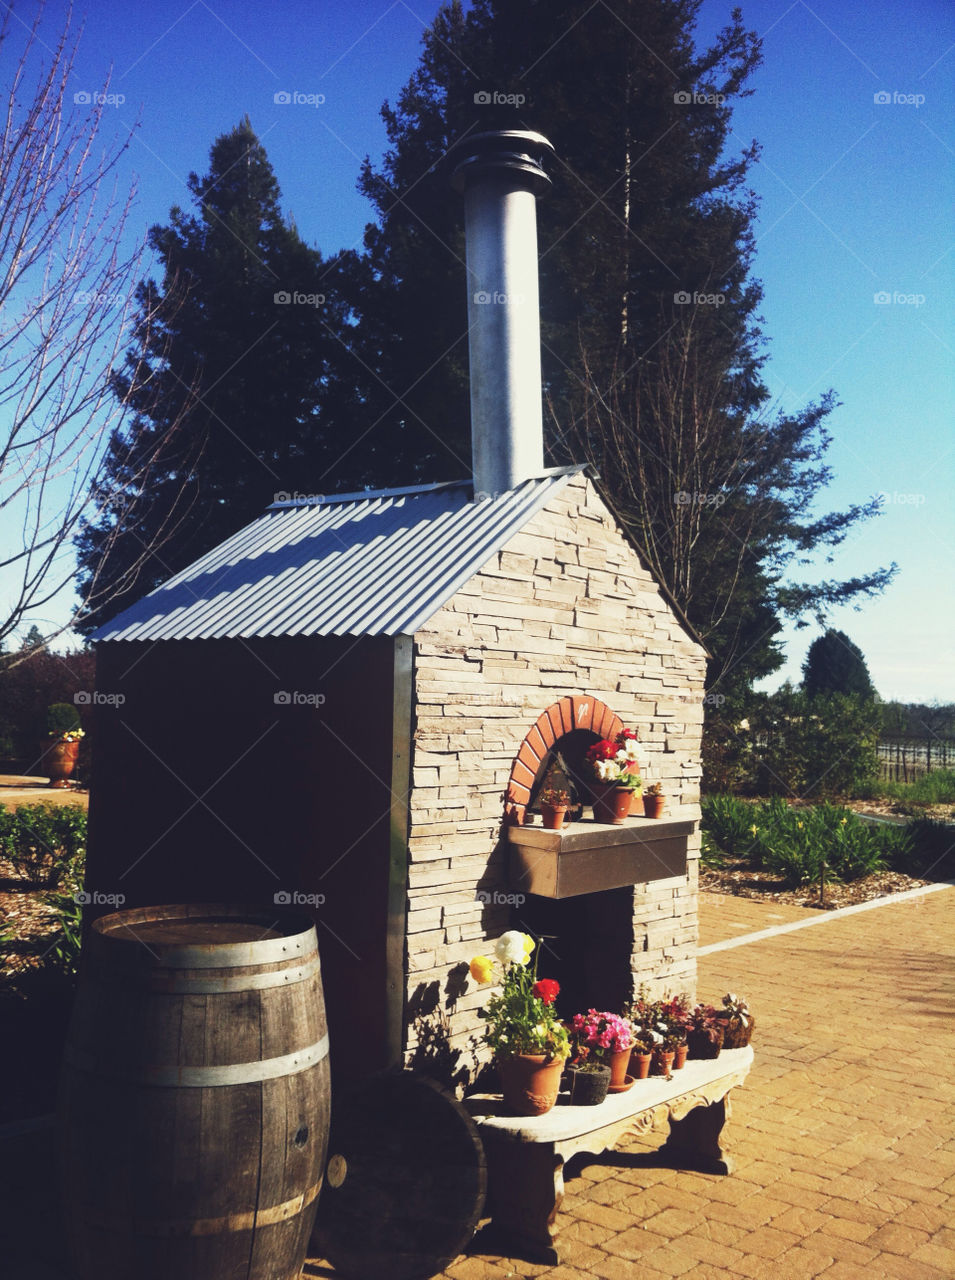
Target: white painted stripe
x=824, y=917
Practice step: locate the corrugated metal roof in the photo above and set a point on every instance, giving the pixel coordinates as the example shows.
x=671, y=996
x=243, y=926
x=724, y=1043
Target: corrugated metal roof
x=358, y=564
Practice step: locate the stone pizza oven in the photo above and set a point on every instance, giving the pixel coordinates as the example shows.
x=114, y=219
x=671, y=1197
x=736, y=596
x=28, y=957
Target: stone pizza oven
x=352, y=703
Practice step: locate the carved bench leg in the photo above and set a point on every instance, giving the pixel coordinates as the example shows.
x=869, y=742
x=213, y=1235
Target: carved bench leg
x=525, y=1187
x=694, y=1141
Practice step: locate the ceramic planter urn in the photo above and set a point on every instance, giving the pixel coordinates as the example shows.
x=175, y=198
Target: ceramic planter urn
x=61, y=761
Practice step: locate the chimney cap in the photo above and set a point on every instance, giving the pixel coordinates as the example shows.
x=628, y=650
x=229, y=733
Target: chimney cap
x=516, y=151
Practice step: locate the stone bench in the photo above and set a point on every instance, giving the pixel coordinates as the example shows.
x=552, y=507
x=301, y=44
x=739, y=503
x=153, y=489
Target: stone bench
x=525, y=1155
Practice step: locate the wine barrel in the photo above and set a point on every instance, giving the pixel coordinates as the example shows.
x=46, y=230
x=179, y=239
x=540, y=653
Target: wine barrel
x=194, y=1098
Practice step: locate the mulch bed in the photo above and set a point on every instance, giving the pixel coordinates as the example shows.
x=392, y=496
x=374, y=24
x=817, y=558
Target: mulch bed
x=737, y=877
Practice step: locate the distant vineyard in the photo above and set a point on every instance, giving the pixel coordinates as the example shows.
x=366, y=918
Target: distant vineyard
x=905, y=759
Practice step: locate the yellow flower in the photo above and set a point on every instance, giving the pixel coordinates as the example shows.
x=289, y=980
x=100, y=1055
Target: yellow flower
x=754, y=828
x=481, y=969
x=529, y=945
x=842, y=822
x=799, y=825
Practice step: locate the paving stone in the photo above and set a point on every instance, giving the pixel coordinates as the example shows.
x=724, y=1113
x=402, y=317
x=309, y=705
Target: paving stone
x=674, y=1222
x=843, y=1250
x=936, y=1255
x=801, y=1222
x=926, y=1217
x=895, y=1238
x=635, y=1243
x=899, y=1268
x=767, y=1242
x=672, y=1260
x=849, y=1229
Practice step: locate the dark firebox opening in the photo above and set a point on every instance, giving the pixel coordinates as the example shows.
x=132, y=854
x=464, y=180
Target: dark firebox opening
x=587, y=947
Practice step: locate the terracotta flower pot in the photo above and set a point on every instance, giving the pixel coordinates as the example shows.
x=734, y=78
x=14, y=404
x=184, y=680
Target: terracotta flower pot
x=530, y=1083
x=619, y=1066
x=636, y=804
x=679, y=1056
x=653, y=806
x=611, y=804
x=589, y=1088
x=553, y=816
x=61, y=761
x=640, y=1064
x=662, y=1062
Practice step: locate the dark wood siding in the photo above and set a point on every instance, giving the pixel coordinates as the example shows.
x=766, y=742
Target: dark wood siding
x=205, y=788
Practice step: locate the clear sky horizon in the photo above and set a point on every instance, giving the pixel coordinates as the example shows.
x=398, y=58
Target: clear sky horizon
x=853, y=108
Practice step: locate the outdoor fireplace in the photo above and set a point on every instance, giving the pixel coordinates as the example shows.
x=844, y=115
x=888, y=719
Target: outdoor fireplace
x=350, y=706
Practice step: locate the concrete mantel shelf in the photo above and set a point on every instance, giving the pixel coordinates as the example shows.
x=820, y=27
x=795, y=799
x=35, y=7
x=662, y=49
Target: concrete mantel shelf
x=588, y=856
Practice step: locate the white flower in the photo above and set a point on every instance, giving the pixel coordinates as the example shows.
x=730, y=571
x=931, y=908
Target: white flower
x=512, y=947
x=656, y=1037
x=606, y=770
x=630, y=750
x=743, y=724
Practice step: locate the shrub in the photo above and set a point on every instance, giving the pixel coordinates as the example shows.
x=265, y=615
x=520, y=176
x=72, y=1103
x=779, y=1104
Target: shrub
x=62, y=718
x=729, y=823
x=45, y=843
x=794, y=842
x=789, y=744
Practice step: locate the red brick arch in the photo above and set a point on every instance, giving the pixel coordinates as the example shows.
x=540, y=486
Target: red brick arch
x=579, y=712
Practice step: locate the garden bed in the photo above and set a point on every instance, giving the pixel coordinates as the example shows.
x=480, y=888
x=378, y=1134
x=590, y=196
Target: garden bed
x=737, y=877
x=783, y=851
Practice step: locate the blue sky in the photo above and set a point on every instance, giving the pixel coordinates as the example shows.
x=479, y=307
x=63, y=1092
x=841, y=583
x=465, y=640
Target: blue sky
x=853, y=108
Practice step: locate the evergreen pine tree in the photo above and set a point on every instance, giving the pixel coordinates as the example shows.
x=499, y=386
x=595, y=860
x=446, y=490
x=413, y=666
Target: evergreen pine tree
x=835, y=665
x=228, y=378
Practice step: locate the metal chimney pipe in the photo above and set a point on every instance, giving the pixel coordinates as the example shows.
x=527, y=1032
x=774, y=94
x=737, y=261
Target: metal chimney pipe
x=500, y=175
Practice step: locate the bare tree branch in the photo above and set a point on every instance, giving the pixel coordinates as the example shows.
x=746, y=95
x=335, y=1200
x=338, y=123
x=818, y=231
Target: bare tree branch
x=67, y=294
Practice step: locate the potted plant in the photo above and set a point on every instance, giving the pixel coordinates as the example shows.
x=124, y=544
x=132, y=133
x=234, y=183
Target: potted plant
x=675, y=1013
x=737, y=1022
x=63, y=733
x=704, y=1032
x=529, y=1042
x=554, y=802
x=641, y=1054
x=616, y=776
x=659, y=1029
x=609, y=1038
x=653, y=800
x=589, y=1078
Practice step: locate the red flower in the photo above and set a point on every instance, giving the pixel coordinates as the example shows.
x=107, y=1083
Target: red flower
x=602, y=750
x=546, y=989
x=627, y=735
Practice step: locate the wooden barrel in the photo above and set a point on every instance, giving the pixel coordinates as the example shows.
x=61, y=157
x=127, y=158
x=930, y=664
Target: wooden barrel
x=194, y=1099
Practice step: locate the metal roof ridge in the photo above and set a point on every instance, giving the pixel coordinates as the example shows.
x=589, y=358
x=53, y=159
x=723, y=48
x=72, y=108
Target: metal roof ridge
x=366, y=495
